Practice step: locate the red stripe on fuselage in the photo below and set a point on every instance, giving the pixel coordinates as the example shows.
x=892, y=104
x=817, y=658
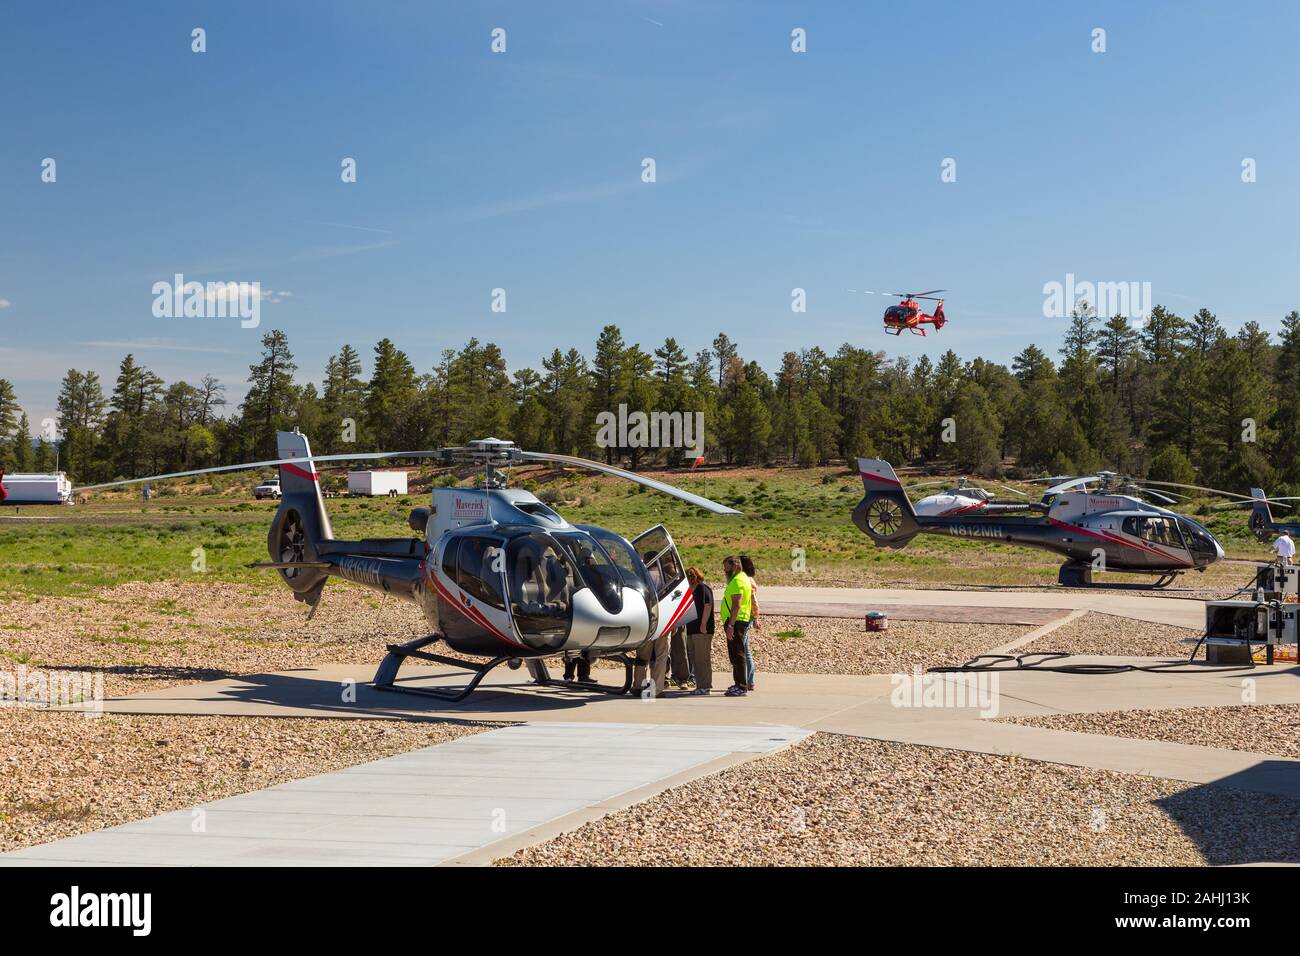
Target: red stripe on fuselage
x=473, y=615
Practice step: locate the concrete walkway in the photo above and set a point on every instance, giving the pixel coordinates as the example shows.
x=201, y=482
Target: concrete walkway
x=1183, y=612
x=499, y=789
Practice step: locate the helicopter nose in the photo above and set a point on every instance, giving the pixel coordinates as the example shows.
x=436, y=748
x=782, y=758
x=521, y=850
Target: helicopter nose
x=1218, y=550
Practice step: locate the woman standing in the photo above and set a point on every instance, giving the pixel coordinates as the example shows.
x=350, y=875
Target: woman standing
x=699, y=633
x=747, y=566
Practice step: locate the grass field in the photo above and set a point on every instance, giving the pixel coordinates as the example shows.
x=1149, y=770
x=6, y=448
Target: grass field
x=790, y=514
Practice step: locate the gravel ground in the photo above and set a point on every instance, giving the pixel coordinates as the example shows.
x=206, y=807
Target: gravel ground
x=835, y=800
x=831, y=645
x=146, y=636
x=62, y=774
x=1258, y=728
x=1111, y=636
x=827, y=645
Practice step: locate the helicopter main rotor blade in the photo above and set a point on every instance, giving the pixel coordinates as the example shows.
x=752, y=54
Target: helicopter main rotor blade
x=1216, y=491
x=1014, y=491
x=698, y=500
x=365, y=456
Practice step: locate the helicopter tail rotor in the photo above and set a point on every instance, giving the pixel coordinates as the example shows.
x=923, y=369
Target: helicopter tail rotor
x=301, y=522
x=885, y=513
x=1261, y=516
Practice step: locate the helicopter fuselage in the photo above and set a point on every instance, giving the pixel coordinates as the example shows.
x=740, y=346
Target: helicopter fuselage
x=496, y=572
x=1111, y=532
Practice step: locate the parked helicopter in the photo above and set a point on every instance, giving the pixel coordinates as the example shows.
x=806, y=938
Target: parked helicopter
x=1106, y=528
x=1261, y=516
x=908, y=315
x=497, y=573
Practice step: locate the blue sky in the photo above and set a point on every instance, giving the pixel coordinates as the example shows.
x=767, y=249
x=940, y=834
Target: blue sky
x=522, y=171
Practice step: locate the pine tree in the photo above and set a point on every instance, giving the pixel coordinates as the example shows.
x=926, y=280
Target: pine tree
x=267, y=406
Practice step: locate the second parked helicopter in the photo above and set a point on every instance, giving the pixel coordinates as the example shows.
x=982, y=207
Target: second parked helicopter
x=1107, y=527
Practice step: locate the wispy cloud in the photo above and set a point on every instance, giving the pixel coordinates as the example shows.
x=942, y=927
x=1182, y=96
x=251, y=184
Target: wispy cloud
x=330, y=252
x=147, y=345
x=344, y=225
x=5, y=303
x=562, y=197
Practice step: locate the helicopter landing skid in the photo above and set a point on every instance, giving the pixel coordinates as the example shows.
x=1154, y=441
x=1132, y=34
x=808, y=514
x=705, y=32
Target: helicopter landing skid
x=545, y=679
x=386, y=675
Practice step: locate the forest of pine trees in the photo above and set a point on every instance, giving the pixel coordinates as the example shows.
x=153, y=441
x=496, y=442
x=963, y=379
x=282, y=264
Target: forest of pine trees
x=1176, y=399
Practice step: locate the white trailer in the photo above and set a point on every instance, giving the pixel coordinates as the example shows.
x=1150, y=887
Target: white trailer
x=377, y=483
x=32, y=489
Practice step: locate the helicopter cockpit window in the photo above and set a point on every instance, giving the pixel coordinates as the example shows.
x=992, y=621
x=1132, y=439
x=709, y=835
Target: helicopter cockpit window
x=449, y=558
x=595, y=568
x=479, y=569
x=541, y=581
x=1198, y=538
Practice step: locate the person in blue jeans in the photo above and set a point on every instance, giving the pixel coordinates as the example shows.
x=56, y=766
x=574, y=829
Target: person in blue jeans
x=747, y=566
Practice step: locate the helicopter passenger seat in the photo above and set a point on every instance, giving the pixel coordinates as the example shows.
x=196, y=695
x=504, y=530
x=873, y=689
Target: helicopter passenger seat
x=558, y=585
x=528, y=574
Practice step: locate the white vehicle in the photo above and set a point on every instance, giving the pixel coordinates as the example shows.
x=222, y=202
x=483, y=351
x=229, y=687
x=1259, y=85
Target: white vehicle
x=33, y=489
x=267, y=489
x=374, y=484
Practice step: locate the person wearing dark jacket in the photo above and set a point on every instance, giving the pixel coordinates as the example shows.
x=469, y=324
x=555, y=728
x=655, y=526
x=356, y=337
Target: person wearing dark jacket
x=699, y=633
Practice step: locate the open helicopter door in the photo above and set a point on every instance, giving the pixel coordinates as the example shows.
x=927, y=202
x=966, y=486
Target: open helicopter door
x=668, y=575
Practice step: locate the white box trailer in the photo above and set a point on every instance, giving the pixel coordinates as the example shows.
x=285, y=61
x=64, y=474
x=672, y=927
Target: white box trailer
x=377, y=483
x=32, y=489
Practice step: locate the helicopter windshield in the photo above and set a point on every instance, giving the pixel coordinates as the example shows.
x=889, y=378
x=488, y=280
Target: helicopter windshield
x=631, y=568
x=594, y=566
x=1198, y=539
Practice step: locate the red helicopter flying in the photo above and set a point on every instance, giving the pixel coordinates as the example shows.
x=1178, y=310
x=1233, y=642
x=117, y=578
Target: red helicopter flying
x=908, y=315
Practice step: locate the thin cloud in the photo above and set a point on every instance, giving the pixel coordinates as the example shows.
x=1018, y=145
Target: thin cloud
x=344, y=225
x=331, y=252
x=5, y=303
x=145, y=345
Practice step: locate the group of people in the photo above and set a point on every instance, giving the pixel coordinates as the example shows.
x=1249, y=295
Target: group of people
x=686, y=656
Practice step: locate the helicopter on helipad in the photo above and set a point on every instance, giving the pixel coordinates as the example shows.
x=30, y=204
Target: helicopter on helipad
x=497, y=573
x=1098, y=522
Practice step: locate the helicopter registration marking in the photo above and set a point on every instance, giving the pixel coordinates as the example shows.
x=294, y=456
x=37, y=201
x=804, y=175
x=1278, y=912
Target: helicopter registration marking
x=362, y=571
x=975, y=531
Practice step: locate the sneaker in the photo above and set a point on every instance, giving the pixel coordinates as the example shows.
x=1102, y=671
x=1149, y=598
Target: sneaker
x=700, y=692
x=750, y=687
x=736, y=692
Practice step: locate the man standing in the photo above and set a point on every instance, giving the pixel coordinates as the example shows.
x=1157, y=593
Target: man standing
x=699, y=633
x=1284, y=547
x=737, y=608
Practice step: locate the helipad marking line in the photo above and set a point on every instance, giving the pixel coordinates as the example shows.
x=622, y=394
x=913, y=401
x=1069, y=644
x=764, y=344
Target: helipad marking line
x=1038, y=632
x=355, y=817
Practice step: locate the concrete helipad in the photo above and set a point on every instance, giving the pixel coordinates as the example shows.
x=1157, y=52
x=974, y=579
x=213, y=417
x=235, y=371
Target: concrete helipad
x=577, y=754
x=500, y=789
x=1038, y=606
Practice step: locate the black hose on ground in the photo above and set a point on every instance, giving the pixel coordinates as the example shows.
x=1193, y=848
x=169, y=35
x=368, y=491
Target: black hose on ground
x=1022, y=662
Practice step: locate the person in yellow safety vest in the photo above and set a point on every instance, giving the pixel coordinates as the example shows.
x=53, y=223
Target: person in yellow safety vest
x=737, y=610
